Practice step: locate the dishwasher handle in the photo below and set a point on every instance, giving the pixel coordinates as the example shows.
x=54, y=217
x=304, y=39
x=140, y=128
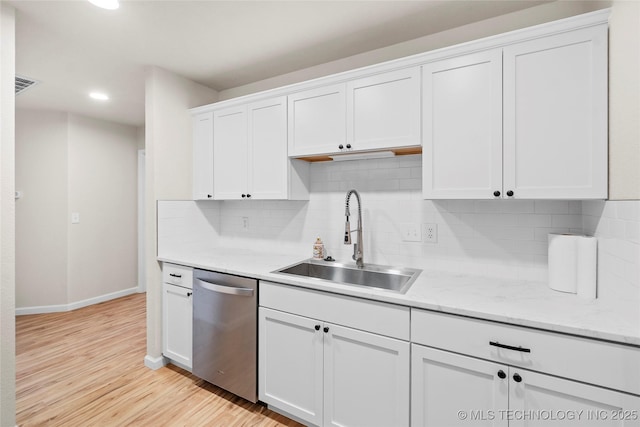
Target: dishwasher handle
x=231, y=290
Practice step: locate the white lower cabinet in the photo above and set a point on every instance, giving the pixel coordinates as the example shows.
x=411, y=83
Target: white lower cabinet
x=290, y=364
x=541, y=400
x=475, y=372
x=330, y=375
x=334, y=360
x=177, y=324
x=177, y=314
x=443, y=384
x=366, y=379
x=449, y=389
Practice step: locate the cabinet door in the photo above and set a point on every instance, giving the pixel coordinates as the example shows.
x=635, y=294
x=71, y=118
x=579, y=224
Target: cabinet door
x=290, y=364
x=230, y=153
x=462, y=127
x=268, y=160
x=543, y=400
x=317, y=121
x=448, y=389
x=383, y=111
x=366, y=379
x=203, y=156
x=177, y=324
x=555, y=116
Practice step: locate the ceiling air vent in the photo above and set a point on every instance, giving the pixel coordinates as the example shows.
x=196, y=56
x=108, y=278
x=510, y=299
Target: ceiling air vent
x=24, y=83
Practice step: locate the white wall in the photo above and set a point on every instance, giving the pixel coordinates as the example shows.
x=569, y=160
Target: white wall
x=68, y=163
x=140, y=137
x=489, y=27
x=103, y=187
x=624, y=101
x=168, y=173
x=41, y=213
x=7, y=217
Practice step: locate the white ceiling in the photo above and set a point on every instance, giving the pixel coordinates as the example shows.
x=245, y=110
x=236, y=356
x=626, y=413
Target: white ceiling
x=73, y=47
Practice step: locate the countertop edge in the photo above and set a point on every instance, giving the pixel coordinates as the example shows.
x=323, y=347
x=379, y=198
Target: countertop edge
x=391, y=298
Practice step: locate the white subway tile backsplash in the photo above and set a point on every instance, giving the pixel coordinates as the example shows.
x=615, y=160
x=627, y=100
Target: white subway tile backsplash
x=504, y=206
x=541, y=234
x=628, y=210
x=551, y=207
x=409, y=184
x=464, y=206
x=575, y=207
x=566, y=221
x=533, y=220
x=507, y=238
x=616, y=224
x=632, y=231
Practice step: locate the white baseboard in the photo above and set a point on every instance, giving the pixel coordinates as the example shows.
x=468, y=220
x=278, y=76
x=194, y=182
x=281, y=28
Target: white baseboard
x=74, y=305
x=155, y=362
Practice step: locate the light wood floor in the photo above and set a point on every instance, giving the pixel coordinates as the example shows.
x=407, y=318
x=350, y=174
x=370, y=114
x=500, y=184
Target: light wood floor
x=86, y=368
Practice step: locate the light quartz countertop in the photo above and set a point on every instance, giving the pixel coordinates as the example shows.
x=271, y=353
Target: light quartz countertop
x=517, y=302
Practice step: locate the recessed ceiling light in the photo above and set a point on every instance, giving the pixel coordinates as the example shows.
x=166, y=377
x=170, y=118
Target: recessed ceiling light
x=106, y=4
x=99, y=96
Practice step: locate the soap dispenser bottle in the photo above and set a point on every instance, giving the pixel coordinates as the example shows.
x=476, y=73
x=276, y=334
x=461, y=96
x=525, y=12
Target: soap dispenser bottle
x=318, y=249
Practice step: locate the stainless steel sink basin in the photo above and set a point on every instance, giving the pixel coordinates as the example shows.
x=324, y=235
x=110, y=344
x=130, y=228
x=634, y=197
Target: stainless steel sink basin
x=371, y=276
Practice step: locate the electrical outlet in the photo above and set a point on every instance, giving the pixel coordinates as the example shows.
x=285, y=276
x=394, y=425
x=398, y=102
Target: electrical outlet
x=430, y=233
x=410, y=232
x=245, y=223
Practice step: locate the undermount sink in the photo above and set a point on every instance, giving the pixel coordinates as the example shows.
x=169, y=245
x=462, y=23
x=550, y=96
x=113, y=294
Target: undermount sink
x=371, y=276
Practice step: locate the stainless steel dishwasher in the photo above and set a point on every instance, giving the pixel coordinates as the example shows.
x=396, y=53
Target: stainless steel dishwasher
x=224, y=331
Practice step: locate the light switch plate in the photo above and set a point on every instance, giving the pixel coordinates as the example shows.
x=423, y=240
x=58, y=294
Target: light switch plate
x=75, y=218
x=410, y=232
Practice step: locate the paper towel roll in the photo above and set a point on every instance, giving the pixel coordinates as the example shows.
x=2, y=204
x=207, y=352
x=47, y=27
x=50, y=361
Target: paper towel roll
x=587, y=267
x=572, y=264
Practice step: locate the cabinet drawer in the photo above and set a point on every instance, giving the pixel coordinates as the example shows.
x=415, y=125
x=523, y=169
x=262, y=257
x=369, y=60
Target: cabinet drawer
x=177, y=275
x=596, y=362
x=372, y=316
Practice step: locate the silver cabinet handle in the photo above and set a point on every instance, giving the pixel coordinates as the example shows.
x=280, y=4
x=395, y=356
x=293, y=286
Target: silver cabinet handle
x=232, y=290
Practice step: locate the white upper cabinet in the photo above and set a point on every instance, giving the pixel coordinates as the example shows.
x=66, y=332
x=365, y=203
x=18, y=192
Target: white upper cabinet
x=230, y=177
x=521, y=115
x=555, y=116
x=268, y=160
x=383, y=111
x=250, y=154
x=370, y=113
x=528, y=120
x=317, y=120
x=462, y=126
x=203, y=156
